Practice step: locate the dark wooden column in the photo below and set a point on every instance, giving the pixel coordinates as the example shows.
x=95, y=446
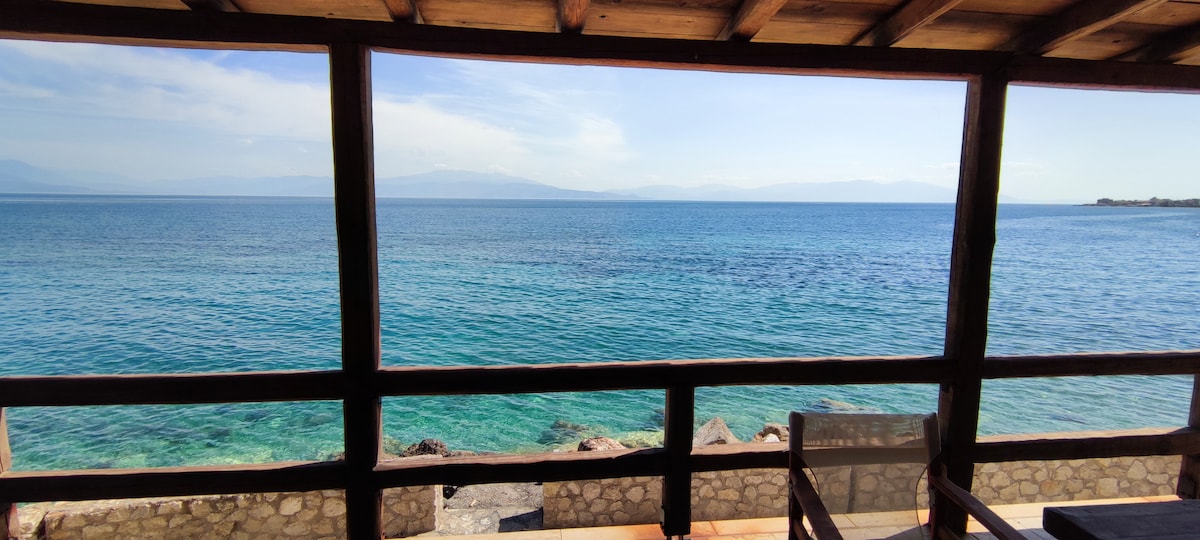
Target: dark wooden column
x=1189, y=472
x=8, y=509
x=354, y=199
x=970, y=280
x=677, y=440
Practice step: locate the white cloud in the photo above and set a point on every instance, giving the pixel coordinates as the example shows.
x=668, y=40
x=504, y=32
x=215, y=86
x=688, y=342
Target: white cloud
x=599, y=138
x=416, y=137
x=11, y=90
x=170, y=110
x=170, y=86
x=558, y=119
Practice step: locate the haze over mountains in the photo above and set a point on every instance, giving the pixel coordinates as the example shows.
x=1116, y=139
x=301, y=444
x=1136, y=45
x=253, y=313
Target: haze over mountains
x=22, y=178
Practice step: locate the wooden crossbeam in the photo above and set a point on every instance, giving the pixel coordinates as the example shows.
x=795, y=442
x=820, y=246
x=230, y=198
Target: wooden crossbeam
x=404, y=11
x=1081, y=19
x=212, y=5
x=728, y=457
x=271, y=386
x=1168, y=48
x=1087, y=444
x=542, y=467
x=174, y=388
x=1068, y=365
x=572, y=14
x=84, y=485
x=656, y=375
x=751, y=17
x=904, y=21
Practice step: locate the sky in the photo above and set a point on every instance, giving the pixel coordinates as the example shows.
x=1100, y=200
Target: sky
x=147, y=115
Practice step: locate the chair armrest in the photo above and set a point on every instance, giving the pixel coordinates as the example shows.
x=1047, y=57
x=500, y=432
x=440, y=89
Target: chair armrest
x=984, y=515
x=805, y=494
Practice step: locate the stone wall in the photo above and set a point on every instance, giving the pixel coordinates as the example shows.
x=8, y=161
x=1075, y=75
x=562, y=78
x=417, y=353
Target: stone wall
x=747, y=493
x=1075, y=479
x=871, y=488
x=622, y=501
x=595, y=503
x=257, y=516
x=720, y=495
x=753, y=493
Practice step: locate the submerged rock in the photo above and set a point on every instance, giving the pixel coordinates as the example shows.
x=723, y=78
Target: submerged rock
x=599, y=443
x=834, y=406
x=778, y=431
x=714, y=432
x=562, y=431
x=427, y=447
x=642, y=439
x=659, y=419
x=393, y=446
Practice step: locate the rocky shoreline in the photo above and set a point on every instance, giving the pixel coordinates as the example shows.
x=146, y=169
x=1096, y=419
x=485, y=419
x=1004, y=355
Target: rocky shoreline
x=437, y=510
x=493, y=508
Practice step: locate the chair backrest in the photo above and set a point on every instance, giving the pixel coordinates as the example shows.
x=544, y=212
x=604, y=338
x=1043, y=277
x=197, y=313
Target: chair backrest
x=864, y=462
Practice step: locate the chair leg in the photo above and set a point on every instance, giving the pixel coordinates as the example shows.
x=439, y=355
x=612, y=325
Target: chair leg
x=796, y=530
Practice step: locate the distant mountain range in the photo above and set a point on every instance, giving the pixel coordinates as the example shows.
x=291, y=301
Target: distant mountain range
x=852, y=191
x=20, y=177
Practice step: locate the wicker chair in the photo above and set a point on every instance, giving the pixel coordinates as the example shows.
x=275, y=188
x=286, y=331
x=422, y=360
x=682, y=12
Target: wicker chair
x=869, y=463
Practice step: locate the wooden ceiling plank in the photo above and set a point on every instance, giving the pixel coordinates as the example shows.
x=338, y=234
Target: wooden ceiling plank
x=904, y=21
x=63, y=21
x=212, y=5
x=1168, y=48
x=572, y=14
x=1084, y=18
x=404, y=11
x=750, y=18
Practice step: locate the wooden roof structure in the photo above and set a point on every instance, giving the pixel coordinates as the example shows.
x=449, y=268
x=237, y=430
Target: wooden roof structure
x=1151, y=45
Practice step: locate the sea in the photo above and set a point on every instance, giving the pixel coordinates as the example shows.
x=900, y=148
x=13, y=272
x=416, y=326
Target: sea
x=143, y=284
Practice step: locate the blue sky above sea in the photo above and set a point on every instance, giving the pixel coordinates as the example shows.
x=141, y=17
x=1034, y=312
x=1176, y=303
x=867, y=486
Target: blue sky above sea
x=148, y=115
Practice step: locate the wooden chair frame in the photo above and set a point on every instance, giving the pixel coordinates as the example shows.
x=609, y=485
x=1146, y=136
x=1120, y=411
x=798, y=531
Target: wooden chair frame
x=803, y=499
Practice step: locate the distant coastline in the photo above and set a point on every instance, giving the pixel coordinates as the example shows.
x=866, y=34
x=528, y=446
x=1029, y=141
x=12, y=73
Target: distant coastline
x=1152, y=201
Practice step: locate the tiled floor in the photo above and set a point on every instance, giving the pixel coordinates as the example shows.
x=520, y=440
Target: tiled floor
x=1027, y=518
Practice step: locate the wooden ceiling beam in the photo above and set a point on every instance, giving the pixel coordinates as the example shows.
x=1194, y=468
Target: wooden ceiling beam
x=751, y=17
x=1083, y=18
x=212, y=5
x=1169, y=48
x=572, y=14
x=75, y=22
x=404, y=11
x=904, y=21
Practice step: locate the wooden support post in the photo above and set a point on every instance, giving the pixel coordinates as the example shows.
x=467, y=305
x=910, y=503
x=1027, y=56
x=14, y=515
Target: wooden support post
x=677, y=482
x=970, y=278
x=1189, y=472
x=8, y=509
x=354, y=199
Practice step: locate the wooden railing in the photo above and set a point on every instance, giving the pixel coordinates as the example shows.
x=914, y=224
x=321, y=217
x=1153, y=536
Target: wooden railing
x=361, y=382
x=676, y=461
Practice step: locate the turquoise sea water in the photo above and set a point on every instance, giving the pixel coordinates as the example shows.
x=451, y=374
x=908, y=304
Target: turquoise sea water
x=165, y=285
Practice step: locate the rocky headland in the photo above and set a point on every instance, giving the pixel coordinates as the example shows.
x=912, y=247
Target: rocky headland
x=1151, y=202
